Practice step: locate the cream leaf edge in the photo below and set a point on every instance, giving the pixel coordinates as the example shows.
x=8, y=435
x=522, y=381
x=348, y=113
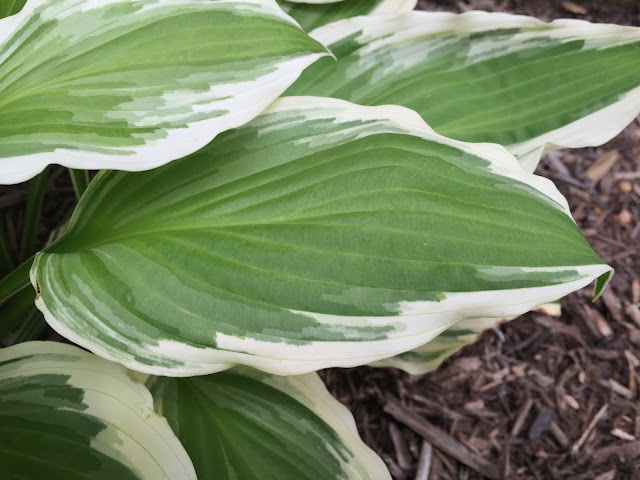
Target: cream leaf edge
x=134, y=435
x=242, y=100
x=593, y=129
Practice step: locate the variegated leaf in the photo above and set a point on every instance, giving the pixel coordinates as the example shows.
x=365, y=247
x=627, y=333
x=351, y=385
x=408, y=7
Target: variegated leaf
x=252, y=426
x=321, y=234
x=429, y=356
x=133, y=84
x=68, y=414
x=313, y=14
x=488, y=77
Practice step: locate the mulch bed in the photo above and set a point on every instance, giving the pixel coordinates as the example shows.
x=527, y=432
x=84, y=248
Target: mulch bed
x=538, y=397
x=535, y=398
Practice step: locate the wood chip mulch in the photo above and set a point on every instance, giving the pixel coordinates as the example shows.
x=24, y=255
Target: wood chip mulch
x=538, y=397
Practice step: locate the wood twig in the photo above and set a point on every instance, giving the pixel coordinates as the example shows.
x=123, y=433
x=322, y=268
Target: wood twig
x=403, y=457
x=439, y=438
x=426, y=459
x=597, y=417
x=522, y=416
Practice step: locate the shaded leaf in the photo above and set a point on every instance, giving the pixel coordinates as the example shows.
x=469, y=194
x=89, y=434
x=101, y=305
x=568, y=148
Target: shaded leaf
x=244, y=424
x=11, y=7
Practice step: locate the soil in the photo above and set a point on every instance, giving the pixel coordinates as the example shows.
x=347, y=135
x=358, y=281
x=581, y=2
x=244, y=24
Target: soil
x=535, y=398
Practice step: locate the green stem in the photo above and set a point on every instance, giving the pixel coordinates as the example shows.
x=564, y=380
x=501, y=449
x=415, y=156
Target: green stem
x=80, y=181
x=32, y=215
x=6, y=259
x=16, y=311
x=15, y=281
x=32, y=328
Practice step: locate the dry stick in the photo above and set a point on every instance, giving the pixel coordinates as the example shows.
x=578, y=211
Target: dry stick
x=522, y=416
x=506, y=468
x=559, y=435
x=439, y=439
x=424, y=465
x=627, y=176
x=598, y=416
x=400, y=447
x=623, y=451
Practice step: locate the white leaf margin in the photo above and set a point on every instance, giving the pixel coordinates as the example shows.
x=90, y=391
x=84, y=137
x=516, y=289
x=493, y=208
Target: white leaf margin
x=450, y=345
x=443, y=347
x=135, y=435
x=592, y=130
x=243, y=100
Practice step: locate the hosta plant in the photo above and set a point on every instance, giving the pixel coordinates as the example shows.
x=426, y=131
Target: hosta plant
x=276, y=197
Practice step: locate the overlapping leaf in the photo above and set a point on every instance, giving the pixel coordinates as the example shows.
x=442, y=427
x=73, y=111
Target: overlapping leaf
x=68, y=414
x=312, y=14
x=248, y=425
x=133, y=84
x=11, y=7
x=321, y=234
x=429, y=356
x=488, y=77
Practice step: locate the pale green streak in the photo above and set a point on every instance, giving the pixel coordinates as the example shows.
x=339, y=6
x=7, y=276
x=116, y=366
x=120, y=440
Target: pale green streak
x=511, y=93
x=110, y=79
x=292, y=213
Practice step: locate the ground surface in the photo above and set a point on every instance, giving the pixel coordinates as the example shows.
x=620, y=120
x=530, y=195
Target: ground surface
x=538, y=397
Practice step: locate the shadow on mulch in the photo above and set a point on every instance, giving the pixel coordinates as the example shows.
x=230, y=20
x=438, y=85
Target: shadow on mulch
x=538, y=397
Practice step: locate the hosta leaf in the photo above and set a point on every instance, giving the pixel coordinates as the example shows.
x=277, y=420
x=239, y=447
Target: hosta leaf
x=133, y=84
x=11, y=7
x=247, y=425
x=321, y=234
x=68, y=414
x=429, y=356
x=488, y=77
x=311, y=15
